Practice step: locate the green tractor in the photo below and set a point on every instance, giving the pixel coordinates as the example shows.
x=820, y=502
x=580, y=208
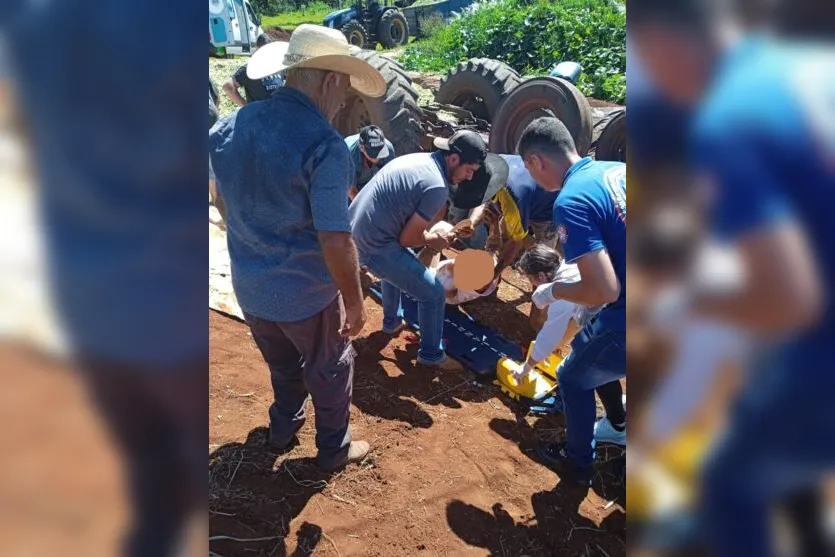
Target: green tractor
x=368, y=22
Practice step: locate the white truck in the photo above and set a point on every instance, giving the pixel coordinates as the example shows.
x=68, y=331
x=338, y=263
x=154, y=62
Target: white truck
x=233, y=26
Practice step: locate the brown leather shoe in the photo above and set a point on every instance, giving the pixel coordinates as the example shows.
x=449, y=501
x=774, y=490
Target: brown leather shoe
x=447, y=364
x=357, y=452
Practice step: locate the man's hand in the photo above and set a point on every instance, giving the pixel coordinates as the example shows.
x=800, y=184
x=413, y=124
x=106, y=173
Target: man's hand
x=437, y=242
x=466, y=231
x=354, y=321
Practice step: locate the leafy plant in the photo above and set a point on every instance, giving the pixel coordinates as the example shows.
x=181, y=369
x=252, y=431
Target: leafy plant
x=533, y=35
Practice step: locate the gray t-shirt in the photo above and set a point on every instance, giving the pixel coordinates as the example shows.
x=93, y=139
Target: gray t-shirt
x=408, y=185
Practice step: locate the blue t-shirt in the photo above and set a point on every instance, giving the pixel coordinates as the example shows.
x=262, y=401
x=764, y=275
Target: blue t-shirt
x=283, y=171
x=765, y=139
x=409, y=185
x=590, y=215
x=534, y=203
x=362, y=171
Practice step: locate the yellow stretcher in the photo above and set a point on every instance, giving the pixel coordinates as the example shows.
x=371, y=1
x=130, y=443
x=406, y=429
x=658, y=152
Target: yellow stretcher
x=540, y=382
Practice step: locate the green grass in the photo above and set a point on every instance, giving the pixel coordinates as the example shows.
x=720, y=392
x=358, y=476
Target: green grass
x=531, y=36
x=315, y=13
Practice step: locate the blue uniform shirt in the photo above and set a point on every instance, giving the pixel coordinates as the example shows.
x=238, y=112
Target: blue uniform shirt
x=283, y=171
x=590, y=214
x=765, y=138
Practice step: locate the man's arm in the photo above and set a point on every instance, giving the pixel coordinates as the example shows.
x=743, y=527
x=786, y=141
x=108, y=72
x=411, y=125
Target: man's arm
x=230, y=87
x=598, y=282
x=782, y=292
x=341, y=259
x=416, y=233
x=352, y=192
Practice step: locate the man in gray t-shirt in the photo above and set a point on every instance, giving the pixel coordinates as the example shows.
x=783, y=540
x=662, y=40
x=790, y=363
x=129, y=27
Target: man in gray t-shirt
x=393, y=213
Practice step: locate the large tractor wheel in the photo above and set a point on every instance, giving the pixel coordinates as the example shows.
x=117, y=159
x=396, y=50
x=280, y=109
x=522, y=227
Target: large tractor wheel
x=536, y=97
x=611, y=145
x=396, y=112
x=392, y=30
x=478, y=85
x=355, y=33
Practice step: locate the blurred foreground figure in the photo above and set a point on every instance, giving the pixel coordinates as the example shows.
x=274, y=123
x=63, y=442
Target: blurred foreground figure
x=118, y=145
x=764, y=142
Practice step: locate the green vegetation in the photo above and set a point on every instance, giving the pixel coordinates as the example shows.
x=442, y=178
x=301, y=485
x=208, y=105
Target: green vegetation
x=531, y=36
x=314, y=12
x=221, y=69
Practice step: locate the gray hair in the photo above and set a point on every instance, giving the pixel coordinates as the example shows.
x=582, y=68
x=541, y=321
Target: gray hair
x=304, y=78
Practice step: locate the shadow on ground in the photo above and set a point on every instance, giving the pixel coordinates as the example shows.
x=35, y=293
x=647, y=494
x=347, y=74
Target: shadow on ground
x=556, y=527
x=254, y=502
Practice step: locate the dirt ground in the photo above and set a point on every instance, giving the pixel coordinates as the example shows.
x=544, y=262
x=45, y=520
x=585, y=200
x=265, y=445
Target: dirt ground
x=452, y=471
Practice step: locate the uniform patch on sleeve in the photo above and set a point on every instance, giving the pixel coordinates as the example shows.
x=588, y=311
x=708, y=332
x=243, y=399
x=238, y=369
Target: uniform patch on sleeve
x=562, y=234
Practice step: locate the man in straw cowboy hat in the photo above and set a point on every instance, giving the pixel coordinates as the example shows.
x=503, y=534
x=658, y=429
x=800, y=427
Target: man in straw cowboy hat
x=395, y=212
x=284, y=172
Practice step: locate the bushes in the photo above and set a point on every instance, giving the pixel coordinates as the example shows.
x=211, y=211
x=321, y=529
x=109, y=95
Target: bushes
x=275, y=7
x=533, y=35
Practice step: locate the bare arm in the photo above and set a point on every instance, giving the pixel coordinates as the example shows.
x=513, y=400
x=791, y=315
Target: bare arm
x=231, y=90
x=509, y=252
x=416, y=232
x=352, y=192
x=598, y=282
x=775, y=298
x=341, y=259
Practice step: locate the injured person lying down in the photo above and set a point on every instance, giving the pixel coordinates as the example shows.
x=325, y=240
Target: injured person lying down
x=470, y=275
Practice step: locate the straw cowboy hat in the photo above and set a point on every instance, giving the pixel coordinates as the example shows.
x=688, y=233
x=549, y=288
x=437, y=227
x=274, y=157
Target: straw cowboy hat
x=319, y=48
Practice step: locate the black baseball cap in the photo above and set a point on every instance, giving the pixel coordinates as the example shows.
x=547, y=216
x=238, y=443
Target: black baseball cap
x=486, y=183
x=374, y=142
x=466, y=144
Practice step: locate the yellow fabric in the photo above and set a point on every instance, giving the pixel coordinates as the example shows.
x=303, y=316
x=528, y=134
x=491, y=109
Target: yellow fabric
x=512, y=218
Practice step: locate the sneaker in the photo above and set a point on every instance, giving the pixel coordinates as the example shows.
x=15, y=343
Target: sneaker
x=556, y=457
x=357, y=452
x=447, y=364
x=605, y=433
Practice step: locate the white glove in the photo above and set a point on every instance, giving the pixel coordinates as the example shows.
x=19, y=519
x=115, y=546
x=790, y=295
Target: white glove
x=543, y=296
x=521, y=371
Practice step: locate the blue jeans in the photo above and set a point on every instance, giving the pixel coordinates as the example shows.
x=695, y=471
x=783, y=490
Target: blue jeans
x=780, y=438
x=400, y=270
x=598, y=356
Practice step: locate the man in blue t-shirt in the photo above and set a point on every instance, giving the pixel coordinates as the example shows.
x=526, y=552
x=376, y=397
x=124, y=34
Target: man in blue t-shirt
x=370, y=151
x=590, y=214
x=764, y=139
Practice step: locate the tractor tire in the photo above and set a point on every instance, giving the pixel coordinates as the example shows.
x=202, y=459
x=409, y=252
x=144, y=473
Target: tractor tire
x=355, y=33
x=478, y=85
x=396, y=113
x=393, y=30
x=611, y=145
x=542, y=96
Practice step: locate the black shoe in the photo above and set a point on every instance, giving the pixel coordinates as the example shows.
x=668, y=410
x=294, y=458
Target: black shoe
x=281, y=449
x=556, y=457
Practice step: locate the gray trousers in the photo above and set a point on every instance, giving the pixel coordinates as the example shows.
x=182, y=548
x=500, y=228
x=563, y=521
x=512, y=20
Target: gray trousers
x=309, y=357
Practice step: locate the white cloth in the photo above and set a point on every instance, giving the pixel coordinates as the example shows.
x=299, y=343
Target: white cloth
x=703, y=348
x=444, y=274
x=560, y=313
